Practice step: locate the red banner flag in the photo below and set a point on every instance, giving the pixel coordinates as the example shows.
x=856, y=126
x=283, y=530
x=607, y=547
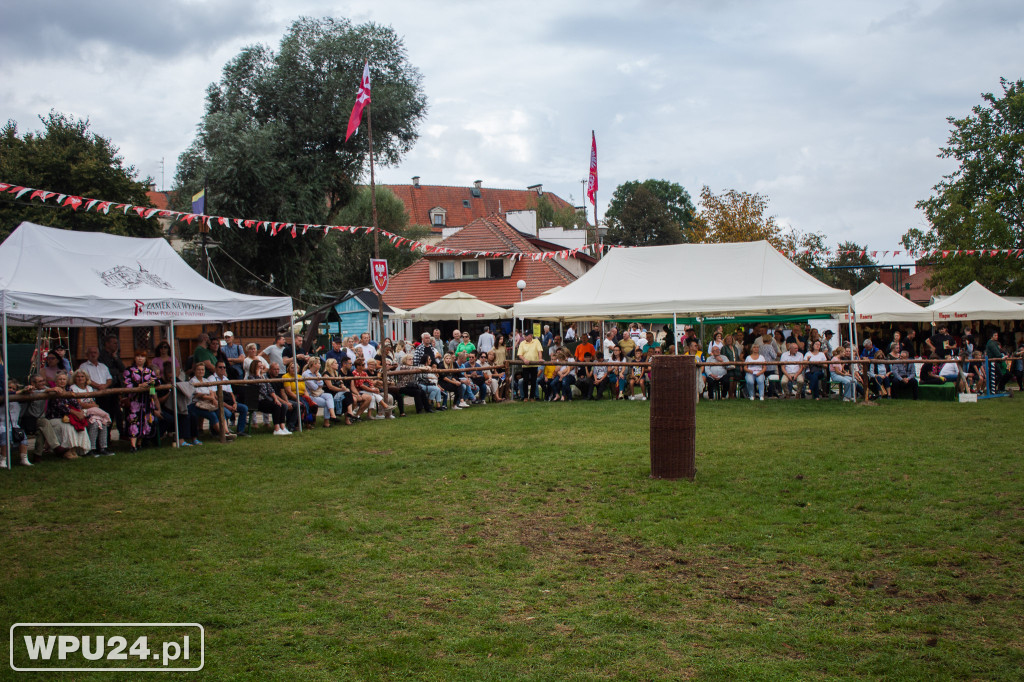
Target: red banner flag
x=362, y=99
x=592, y=178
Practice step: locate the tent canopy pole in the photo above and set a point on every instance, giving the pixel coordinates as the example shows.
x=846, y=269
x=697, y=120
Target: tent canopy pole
x=174, y=386
x=7, y=401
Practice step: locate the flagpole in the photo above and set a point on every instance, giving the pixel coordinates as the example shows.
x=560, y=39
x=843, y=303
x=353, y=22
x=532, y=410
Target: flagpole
x=376, y=253
x=592, y=190
x=204, y=228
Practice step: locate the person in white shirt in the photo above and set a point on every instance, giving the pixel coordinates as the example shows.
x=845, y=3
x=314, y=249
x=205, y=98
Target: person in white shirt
x=717, y=341
x=98, y=373
x=234, y=409
x=485, y=344
x=755, y=373
x=608, y=345
x=792, y=375
x=366, y=348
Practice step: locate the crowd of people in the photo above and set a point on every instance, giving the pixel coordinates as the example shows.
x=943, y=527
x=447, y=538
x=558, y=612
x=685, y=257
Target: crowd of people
x=759, y=361
x=346, y=385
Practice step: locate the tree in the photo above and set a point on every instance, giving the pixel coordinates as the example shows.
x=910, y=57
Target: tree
x=566, y=217
x=350, y=265
x=807, y=251
x=735, y=216
x=644, y=221
x=271, y=145
x=673, y=197
x=981, y=203
x=851, y=268
x=68, y=158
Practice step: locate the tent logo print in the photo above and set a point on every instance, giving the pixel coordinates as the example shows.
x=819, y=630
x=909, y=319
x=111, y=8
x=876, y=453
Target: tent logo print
x=139, y=305
x=123, y=277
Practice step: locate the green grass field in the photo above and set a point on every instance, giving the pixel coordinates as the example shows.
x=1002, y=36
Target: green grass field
x=819, y=541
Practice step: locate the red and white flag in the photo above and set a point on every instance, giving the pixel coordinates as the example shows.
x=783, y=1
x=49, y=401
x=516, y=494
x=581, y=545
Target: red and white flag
x=592, y=178
x=362, y=99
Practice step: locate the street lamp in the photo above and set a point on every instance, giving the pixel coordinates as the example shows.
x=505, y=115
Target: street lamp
x=521, y=285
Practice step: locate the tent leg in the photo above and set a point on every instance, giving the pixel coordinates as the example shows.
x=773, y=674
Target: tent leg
x=174, y=385
x=855, y=353
x=512, y=368
x=7, y=402
x=675, y=332
x=295, y=368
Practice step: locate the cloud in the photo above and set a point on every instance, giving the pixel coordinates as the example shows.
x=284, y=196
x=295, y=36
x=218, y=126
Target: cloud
x=70, y=29
x=835, y=112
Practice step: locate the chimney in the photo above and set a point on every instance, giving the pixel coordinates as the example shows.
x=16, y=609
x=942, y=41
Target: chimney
x=415, y=181
x=478, y=183
x=152, y=187
x=538, y=188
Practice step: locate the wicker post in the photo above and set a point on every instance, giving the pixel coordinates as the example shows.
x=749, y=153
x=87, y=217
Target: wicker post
x=673, y=416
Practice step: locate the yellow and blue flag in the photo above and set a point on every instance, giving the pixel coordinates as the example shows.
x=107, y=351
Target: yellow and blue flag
x=199, y=201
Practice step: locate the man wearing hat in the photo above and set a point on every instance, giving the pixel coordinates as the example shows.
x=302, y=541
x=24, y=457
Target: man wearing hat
x=530, y=350
x=832, y=345
x=336, y=352
x=234, y=354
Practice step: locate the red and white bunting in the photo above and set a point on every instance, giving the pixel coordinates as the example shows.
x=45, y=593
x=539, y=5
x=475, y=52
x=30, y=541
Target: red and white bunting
x=147, y=212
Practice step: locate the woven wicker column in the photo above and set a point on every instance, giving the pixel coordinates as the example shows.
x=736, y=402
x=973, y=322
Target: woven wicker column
x=673, y=416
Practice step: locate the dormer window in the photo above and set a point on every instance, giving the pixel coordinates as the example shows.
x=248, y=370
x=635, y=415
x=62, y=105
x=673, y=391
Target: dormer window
x=437, y=217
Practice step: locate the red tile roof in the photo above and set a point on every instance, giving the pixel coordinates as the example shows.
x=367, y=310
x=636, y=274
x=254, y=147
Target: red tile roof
x=161, y=200
x=420, y=199
x=412, y=287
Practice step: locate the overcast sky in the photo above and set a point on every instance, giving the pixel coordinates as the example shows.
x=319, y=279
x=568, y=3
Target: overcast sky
x=834, y=111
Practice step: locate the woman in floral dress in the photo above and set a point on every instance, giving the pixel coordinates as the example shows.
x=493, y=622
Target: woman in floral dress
x=140, y=419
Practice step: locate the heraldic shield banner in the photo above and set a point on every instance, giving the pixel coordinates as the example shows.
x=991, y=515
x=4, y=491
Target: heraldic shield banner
x=379, y=273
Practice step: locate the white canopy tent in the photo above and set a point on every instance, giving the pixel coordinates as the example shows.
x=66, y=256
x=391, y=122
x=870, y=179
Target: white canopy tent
x=975, y=302
x=59, y=278
x=748, y=278
x=457, y=305
x=878, y=303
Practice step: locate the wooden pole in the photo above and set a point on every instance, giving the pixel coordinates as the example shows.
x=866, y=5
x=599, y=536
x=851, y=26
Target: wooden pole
x=376, y=249
x=204, y=229
x=223, y=426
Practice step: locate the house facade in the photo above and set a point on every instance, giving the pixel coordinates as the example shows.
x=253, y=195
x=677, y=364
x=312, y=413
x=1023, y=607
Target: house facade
x=483, y=270
x=443, y=207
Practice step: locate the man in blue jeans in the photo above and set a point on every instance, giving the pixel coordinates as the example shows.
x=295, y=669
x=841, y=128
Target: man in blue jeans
x=232, y=407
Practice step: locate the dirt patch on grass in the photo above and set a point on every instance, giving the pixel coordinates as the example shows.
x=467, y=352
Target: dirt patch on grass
x=551, y=539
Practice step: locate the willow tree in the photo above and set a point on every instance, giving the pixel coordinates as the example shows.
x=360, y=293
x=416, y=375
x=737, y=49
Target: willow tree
x=271, y=146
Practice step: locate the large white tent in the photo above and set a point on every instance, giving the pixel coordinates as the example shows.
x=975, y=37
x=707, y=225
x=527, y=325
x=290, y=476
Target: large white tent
x=53, y=277
x=748, y=278
x=975, y=302
x=878, y=303
x=60, y=278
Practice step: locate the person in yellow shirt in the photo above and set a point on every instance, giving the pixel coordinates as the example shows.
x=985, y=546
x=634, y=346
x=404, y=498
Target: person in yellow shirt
x=530, y=350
